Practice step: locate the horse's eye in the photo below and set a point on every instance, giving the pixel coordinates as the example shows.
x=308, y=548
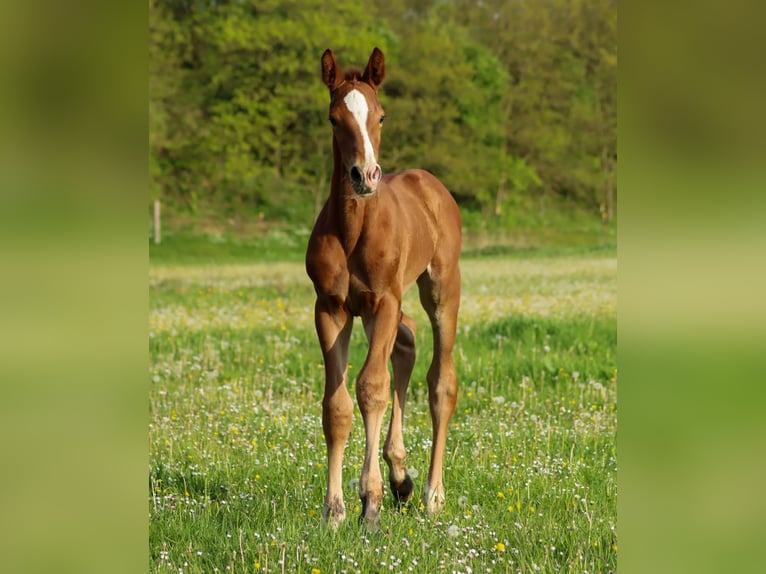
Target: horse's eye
x=382, y=118
x=333, y=121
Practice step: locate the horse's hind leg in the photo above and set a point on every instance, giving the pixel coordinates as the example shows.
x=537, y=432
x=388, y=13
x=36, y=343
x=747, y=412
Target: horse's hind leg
x=403, y=360
x=440, y=296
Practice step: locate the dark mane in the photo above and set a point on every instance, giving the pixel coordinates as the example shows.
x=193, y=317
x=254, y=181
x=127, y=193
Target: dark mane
x=353, y=73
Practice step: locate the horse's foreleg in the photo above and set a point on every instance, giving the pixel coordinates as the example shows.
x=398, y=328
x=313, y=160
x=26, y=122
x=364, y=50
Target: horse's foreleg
x=372, y=392
x=441, y=298
x=333, y=324
x=403, y=360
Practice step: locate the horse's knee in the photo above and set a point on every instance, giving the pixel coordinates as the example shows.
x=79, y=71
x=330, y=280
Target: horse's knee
x=338, y=405
x=442, y=383
x=337, y=415
x=372, y=390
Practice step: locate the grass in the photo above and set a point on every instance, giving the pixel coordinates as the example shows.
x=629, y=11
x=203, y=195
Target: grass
x=210, y=239
x=190, y=247
x=237, y=466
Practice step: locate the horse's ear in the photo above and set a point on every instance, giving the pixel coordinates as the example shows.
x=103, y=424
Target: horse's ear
x=331, y=73
x=376, y=69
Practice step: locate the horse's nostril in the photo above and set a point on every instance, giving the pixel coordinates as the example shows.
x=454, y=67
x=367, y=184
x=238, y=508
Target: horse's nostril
x=356, y=175
x=375, y=174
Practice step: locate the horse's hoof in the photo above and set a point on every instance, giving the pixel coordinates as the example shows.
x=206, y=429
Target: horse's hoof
x=333, y=514
x=433, y=500
x=403, y=491
x=370, y=523
x=370, y=517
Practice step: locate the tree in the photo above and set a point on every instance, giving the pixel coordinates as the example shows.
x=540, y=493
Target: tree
x=501, y=100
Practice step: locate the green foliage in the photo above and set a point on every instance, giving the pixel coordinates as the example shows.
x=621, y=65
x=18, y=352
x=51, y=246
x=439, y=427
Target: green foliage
x=502, y=101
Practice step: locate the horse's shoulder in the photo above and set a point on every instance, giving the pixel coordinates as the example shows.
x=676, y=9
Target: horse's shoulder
x=325, y=257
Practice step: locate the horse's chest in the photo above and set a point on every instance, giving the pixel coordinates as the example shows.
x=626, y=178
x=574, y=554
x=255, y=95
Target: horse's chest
x=367, y=284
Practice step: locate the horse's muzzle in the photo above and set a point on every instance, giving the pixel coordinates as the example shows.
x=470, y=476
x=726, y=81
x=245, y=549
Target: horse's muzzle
x=365, y=181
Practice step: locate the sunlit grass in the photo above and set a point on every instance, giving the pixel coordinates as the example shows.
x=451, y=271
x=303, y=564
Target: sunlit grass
x=237, y=460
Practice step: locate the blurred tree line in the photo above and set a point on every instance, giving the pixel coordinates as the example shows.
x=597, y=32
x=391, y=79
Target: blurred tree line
x=504, y=100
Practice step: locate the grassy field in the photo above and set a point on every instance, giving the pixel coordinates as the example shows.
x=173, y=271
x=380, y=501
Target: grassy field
x=237, y=466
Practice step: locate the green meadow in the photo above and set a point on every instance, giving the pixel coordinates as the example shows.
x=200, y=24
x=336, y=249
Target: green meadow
x=237, y=466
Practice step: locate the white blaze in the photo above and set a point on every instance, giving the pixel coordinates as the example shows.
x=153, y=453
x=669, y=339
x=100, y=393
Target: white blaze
x=357, y=105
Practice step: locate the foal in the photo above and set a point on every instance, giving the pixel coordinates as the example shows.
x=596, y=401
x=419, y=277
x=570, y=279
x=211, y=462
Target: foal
x=376, y=236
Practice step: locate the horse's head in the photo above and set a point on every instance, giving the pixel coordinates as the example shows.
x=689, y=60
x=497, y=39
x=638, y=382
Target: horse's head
x=356, y=117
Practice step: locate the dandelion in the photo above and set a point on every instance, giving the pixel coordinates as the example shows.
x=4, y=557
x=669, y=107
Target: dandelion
x=453, y=531
x=316, y=571
x=500, y=547
x=500, y=495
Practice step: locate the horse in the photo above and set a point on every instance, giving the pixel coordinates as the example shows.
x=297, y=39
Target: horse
x=375, y=237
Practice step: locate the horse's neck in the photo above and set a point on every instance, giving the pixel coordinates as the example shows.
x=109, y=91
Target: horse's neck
x=348, y=211
x=348, y=214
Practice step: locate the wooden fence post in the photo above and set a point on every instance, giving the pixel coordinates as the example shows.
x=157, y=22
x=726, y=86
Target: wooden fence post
x=157, y=230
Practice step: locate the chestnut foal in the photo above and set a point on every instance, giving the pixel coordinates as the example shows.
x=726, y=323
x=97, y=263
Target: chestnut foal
x=376, y=236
